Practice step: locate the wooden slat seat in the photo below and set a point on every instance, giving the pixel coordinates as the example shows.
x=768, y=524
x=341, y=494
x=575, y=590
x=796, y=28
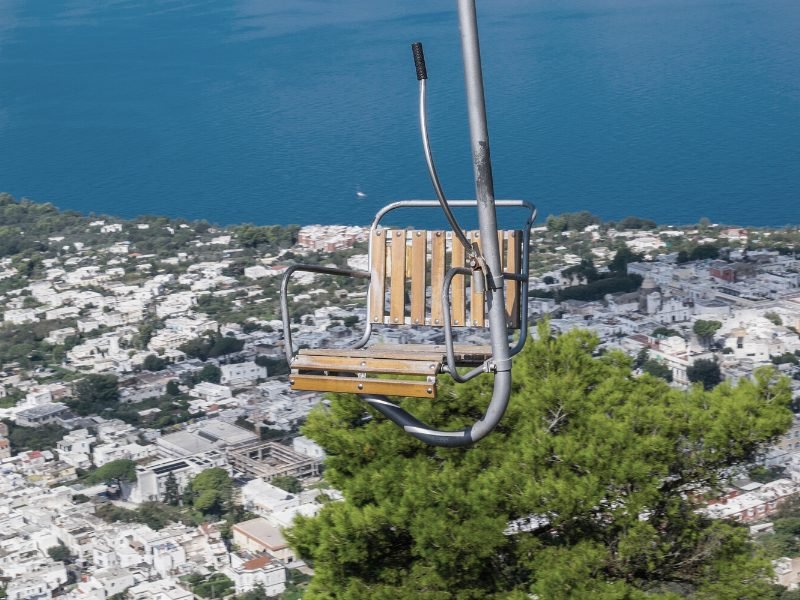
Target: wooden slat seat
x=358, y=385
x=352, y=370
x=408, y=269
x=463, y=352
x=365, y=364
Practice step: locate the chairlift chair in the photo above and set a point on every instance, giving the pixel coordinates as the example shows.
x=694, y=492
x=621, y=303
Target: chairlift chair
x=432, y=278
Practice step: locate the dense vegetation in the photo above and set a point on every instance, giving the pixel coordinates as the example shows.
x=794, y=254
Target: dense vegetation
x=214, y=585
x=578, y=221
x=116, y=471
x=207, y=497
x=597, y=468
x=211, y=345
x=95, y=394
x=44, y=437
x=156, y=515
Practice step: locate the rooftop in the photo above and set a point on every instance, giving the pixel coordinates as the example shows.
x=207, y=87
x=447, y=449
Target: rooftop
x=263, y=532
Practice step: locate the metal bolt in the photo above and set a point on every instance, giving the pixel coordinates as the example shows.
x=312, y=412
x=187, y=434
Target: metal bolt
x=378, y=233
x=360, y=386
x=363, y=363
x=291, y=381
x=395, y=319
x=430, y=391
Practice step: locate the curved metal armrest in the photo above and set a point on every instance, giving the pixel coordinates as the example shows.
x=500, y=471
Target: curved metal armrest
x=287, y=329
x=455, y=203
x=448, y=328
x=523, y=317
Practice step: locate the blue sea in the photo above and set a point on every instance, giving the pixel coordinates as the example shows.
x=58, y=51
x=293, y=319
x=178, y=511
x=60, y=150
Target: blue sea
x=268, y=111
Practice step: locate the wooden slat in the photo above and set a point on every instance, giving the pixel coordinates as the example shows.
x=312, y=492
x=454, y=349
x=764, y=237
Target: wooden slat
x=389, y=351
x=355, y=385
x=377, y=284
x=397, y=295
x=501, y=237
x=404, y=352
x=463, y=352
x=477, y=303
x=457, y=289
x=512, y=287
x=418, y=269
x=349, y=364
x=437, y=276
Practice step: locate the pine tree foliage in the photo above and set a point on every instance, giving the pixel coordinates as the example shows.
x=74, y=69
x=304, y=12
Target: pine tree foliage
x=611, y=461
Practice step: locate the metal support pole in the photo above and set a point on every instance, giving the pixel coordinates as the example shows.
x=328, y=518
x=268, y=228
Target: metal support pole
x=490, y=247
x=487, y=218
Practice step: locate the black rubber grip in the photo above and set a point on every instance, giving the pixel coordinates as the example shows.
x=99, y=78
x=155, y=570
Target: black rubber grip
x=419, y=61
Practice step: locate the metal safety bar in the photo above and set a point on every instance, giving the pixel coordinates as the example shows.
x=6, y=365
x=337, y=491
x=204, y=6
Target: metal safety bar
x=513, y=203
x=422, y=77
x=526, y=235
x=287, y=327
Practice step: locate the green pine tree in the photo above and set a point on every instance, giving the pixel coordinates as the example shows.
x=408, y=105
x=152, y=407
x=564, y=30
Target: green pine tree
x=609, y=463
x=172, y=495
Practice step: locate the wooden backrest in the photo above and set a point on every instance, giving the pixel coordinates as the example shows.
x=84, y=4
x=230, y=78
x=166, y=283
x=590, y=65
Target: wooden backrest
x=411, y=264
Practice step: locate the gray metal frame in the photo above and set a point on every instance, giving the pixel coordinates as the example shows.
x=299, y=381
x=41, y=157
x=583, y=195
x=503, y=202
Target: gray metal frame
x=287, y=275
x=488, y=267
x=526, y=232
x=381, y=403
x=487, y=218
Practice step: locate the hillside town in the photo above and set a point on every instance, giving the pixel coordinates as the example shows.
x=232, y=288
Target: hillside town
x=150, y=445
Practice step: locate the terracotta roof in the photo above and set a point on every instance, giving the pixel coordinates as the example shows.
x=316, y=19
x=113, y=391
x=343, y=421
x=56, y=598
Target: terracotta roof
x=256, y=563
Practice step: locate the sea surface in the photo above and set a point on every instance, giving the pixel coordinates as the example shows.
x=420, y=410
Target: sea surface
x=268, y=111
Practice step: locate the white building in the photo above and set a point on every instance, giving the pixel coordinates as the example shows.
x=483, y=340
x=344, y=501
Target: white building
x=151, y=479
x=307, y=447
x=263, y=498
x=105, y=453
x=210, y=392
x=260, y=571
x=38, y=584
x=239, y=374
x=20, y=316
x=75, y=448
x=162, y=589
x=101, y=584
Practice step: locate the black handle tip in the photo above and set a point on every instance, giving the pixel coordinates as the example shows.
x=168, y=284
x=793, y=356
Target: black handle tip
x=419, y=61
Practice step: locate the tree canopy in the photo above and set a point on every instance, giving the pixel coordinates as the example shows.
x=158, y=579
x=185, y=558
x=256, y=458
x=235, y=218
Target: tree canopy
x=210, y=491
x=154, y=363
x=576, y=221
x=657, y=369
x=705, y=330
x=211, y=346
x=95, y=392
x=117, y=471
x=704, y=371
x=59, y=553
x=586, y=490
